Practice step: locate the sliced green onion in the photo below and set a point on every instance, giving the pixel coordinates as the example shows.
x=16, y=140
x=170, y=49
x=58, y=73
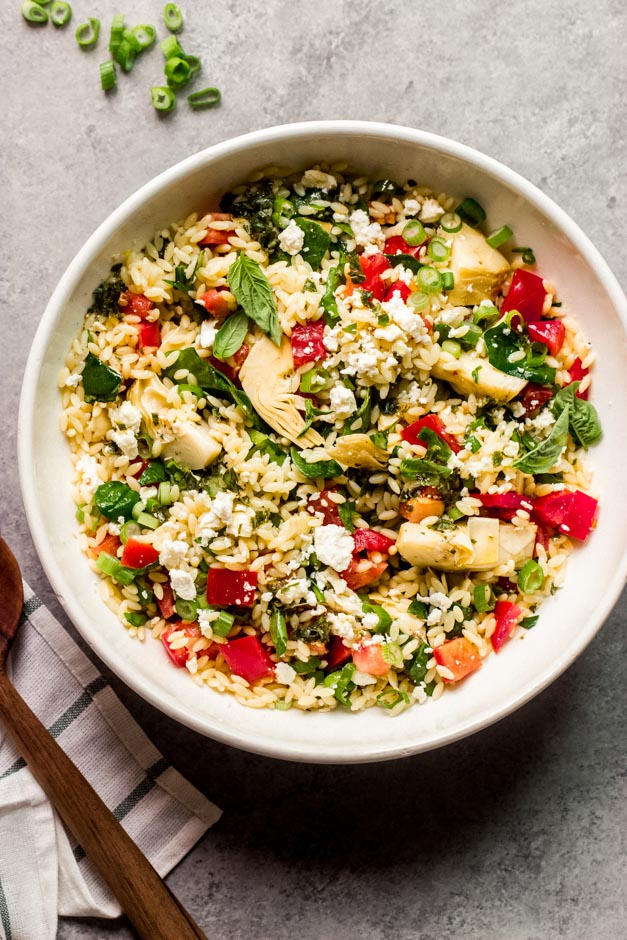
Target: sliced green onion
x=528, y=256
x=129, y=36
x=471, y=337
x=206, y=98
x=384, y=619
x=173, y=18
x=138, y=509
x=278, y=631
x=454, y=513
x=163, y=98
x=148, y=521
x=414, y=233
x=125, y=55
x=33, y=13
x=194, y=389
x=177, y=72
x=223, y=624
x=80, y=513
x=450, y=222
x=453, y=347
x=186, y=610
x=485, y=313
x=164, y=494
x=128, y=531
x=117, y=32
x=194, y=63
x=108, y=78
x=389, y=698
x=499, y=236
x=145, y=36
x=114, y=568
x=430, y=280
x=530, y=577
x=392, y=654
x=60, y=13
x=314, y=380
x=537, y=354
x=282, y=211
x=418, y=300
x=170, y=47
x=136, y=618
x=483, y=598
x=438, y=249
x=87, y=33
x=470, y=211
x=448, y=280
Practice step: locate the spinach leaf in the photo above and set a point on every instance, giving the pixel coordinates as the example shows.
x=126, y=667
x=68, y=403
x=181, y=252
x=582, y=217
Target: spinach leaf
x=278, y=630
x=322, y=469
x=181, y=281
x=181, y=476
x=584, y=423
x=437, y=449
x=408, y=261
x=256, y=204
x=115, y=500
x=100, y=381
x=264, y=445
x=311, y=413
x=528, y=623
x=314, y=631
x=386, y=187
x=380, y=439
x=220, y=480
x=417, y=667
x=252, y=291
x=360, y=422
x=231, y=335
x=315, y=242
x=154, y=473
x=426, y=472
x=107, y=294
x=542, y=457
x=347, y=513
x=502, y=342
x=418, y=609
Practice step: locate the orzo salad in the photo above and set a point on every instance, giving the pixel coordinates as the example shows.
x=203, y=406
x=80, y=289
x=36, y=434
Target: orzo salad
x=328, y=440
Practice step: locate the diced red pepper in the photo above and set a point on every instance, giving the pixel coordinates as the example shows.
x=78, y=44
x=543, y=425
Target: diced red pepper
x=248, y=658
x=367, y=540
x=337, y=653
x=370, y=659
x=433, y=423
x=232, y=371
x=136, y=304
x=215, y=236
x=179, y=656
x=507, y=615
x=137, y=468
x=577, y=373
x=166, y=603
x=535, y=397
x=322, y=503
x=460, y=656
x=396, y=245
x=215, y=302
x=400, y=289
x=572, y=513
x=138, y=554
x=362, y=571
x=504, y=505
x=149, y=334
x=550, y=332
x=373, y=267
x=226, y=587
x=110, y=544
x=239, y=358
x=543, y=537
x=307, y=343
x=526, y=294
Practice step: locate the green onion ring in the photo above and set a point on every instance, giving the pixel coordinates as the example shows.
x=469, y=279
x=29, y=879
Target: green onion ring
x=206, y=98
x=177, y=72
x=414, y=233
x=108, y=79
x=117, y=32
x=145, y=36
x=33, y=13
x=125, y=55
x=60, y=13
x=87, y=33
x=170, y=46
x=499, y=236
x=163, y=98
x=173, y=18
x=450, y=222
x=530, y=577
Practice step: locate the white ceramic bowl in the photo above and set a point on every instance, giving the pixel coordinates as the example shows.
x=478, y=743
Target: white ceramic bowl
x=596, y=572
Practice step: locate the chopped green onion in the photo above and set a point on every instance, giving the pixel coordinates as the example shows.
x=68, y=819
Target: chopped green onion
x=138, y=509
x=148, y=521
x=314, y=380
x=282, y=212
x=164, y=494
x=453, y=347
x=454, y=513
x=177, y=72
x=537, y=354
x=392, y=654
x=136, y=618
x=223, y=624
x=173, y=18
x=60, y=13
x=33, y=13
x=528, y=256
x=450, y=222
x=483, y=598
x=430, y=280
x=194, y=389
x=389, y=698
x=530, y=577
x=125, y=55
x=145, y=36
x=278, y=631
x=448, y=280
x=414, y=233
x=194, y=63
x=108, y=78
x=499, y=236
x=115, y=569
x=485, y=313
x=418, y=300
x=117, y=32
x=186, y=610
x=80, y=513
x=87, y=33
x=171, y=47
x=163, y=98
x=283, y=706
x=206, y=98
x=471, y=337
x=129, y=36
x=470, y=211
x=438, y=249
x=128, y=531
x=384, y=619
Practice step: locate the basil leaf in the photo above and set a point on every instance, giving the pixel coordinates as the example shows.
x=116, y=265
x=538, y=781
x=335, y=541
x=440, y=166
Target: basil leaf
x=322, y=469
x=278, y=631
x=115, y=500
x=585, y=426
x=347, y=512
x=528, y=623
x=181, y=281
x=231, y=335
x=252, y=290
x=264, y=445
x=100, y=381
x=328, y=301
x=315, y=242
x=417, y=668
x=503, y=341
x=542, y=457
x=426, y=471
x=311, y=413
x=154, y=473
x=408, y=261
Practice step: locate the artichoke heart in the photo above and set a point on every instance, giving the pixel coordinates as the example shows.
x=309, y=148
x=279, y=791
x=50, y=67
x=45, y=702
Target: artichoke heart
x=473, y=374
x=357, y=450
x=478, y=269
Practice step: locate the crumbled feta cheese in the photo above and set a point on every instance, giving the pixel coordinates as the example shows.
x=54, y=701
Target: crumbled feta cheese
x=241, y=523
x=362, y=678
x=511, y=449
x=206, y=337
x=205, y=618
x=411, y=206
x=173, y=553
x=366, y=232
x=342, y=625
x=370, y=621
x=127, y=416
x=518, y=409
x=434, y=617
x=440, y=600
x=409, y=322
x=87, y=467
x=342, y=401
x=73, y=380
x=126, y=441
x=431, y=210
x=317, y=179
x=331, y=339
x=183, y=584
x=334, y=546
x=113, y=528
x=220, y=514
x=291, y=238
x=389, y=333
x=296, y=592
x=542, y=421
x=284, y=673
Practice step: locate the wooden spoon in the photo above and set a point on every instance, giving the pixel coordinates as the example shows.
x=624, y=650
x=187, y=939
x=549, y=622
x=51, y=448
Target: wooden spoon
x=149, y=904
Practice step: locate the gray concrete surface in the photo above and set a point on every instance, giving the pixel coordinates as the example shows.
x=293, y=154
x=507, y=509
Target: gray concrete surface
x=518, y=832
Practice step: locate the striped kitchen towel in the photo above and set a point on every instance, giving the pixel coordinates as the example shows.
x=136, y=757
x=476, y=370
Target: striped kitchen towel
x=43, y=872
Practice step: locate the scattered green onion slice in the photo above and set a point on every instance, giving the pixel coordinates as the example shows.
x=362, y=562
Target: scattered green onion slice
x=128, y=531
x=177, y=72
x=453, y=347
x=117, y=32
x=470, y=211
x=194, y=63
x=418, y=300
x=60, y=13
x=438, y=249
x=163, y=98
x=528, y=256
x=186, y=610
x=483, y=598
x=430, y=280
x=206, y=98
x=173, y=18
x=450, y=222
x=171, y=47
x=223, y=624
x=530, y=577
x=448, y=280
x=164, y=494
x=499, y=236
x=33, y=13
x=129, y=36
x=87, y=33
x=148, y=521
x=145, y=36
x=126, y=54
x=80, y=513
x=138, y=509
x=108, y=78
x=414, y=233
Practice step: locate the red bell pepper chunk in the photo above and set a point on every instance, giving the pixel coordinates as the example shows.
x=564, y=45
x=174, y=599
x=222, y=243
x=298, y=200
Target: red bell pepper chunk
x=307, y=343
x=138, y=554
x=166, y=603
x=248, y=658
x=543, y=537
x=460, y=656
x=577, y=373
x=507, y=615
x=322, y=503
x=215, y=303
x=149, y=334
x=136, y=304
x=396, y=245
x=526, y=294
x=370, y=659
x=550, y=332
x=337, y=654
x=232, y=371
x=572, y=513
x=367, y=540
x=110, y=544
x=226, y=587
x=373, y=267
x=504, y=505
x=362, y=571
x=433, y=423
x=535, y=397
x=137, y=467
x=400, y=289
x=179, y=656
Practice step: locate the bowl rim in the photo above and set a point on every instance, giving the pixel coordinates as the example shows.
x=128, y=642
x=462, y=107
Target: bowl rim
x=283, y=133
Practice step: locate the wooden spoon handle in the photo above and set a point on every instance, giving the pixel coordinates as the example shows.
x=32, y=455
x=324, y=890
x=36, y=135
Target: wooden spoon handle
x=145, y=898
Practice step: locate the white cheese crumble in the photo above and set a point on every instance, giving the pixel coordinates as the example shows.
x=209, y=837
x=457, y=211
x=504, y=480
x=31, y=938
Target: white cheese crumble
x=334, y=546
x=366, y=233
x=296, y=592
x=291, y=238
x=411, y=206
x=410, y=323
x=317, y=179
x=370, y=621
x=183, y=584
x=127, y=416
x=205, y=619
x=431, y=211
x=343, y=402
x=362, y=678
x=220, y=514
x=284, y=673
x=542, y=421
x=440, y=600
x=173, y=552
x=342, y=625
x=126, y=441
x=206, y=337
x=87, y=468
x=73, y=380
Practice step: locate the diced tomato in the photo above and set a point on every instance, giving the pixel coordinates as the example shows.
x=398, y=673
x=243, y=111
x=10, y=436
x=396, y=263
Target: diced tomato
x=373, y=267
x=149, y=334
x=248, y=658
x=135, y=304
x=411, y=434
x=535, y=397
x=507, y=615
x=232, y=371
x=370, y=659
x=239, y=358
x=307, y=343
x=214, y=236
x=504, y=505
x=110, y=544
x=550, y=332
x=396, y=245
x=572, y=513
x=460, y=656
x=526, y=294
x=400, y=289
x=321, y=502
x=367, y=540
x=362, y=571
x=337, y=653
x=179, y=656
x=166, y=603
x=215, y=302
x=577, y=373
x=138, y=554
x=226, y=587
